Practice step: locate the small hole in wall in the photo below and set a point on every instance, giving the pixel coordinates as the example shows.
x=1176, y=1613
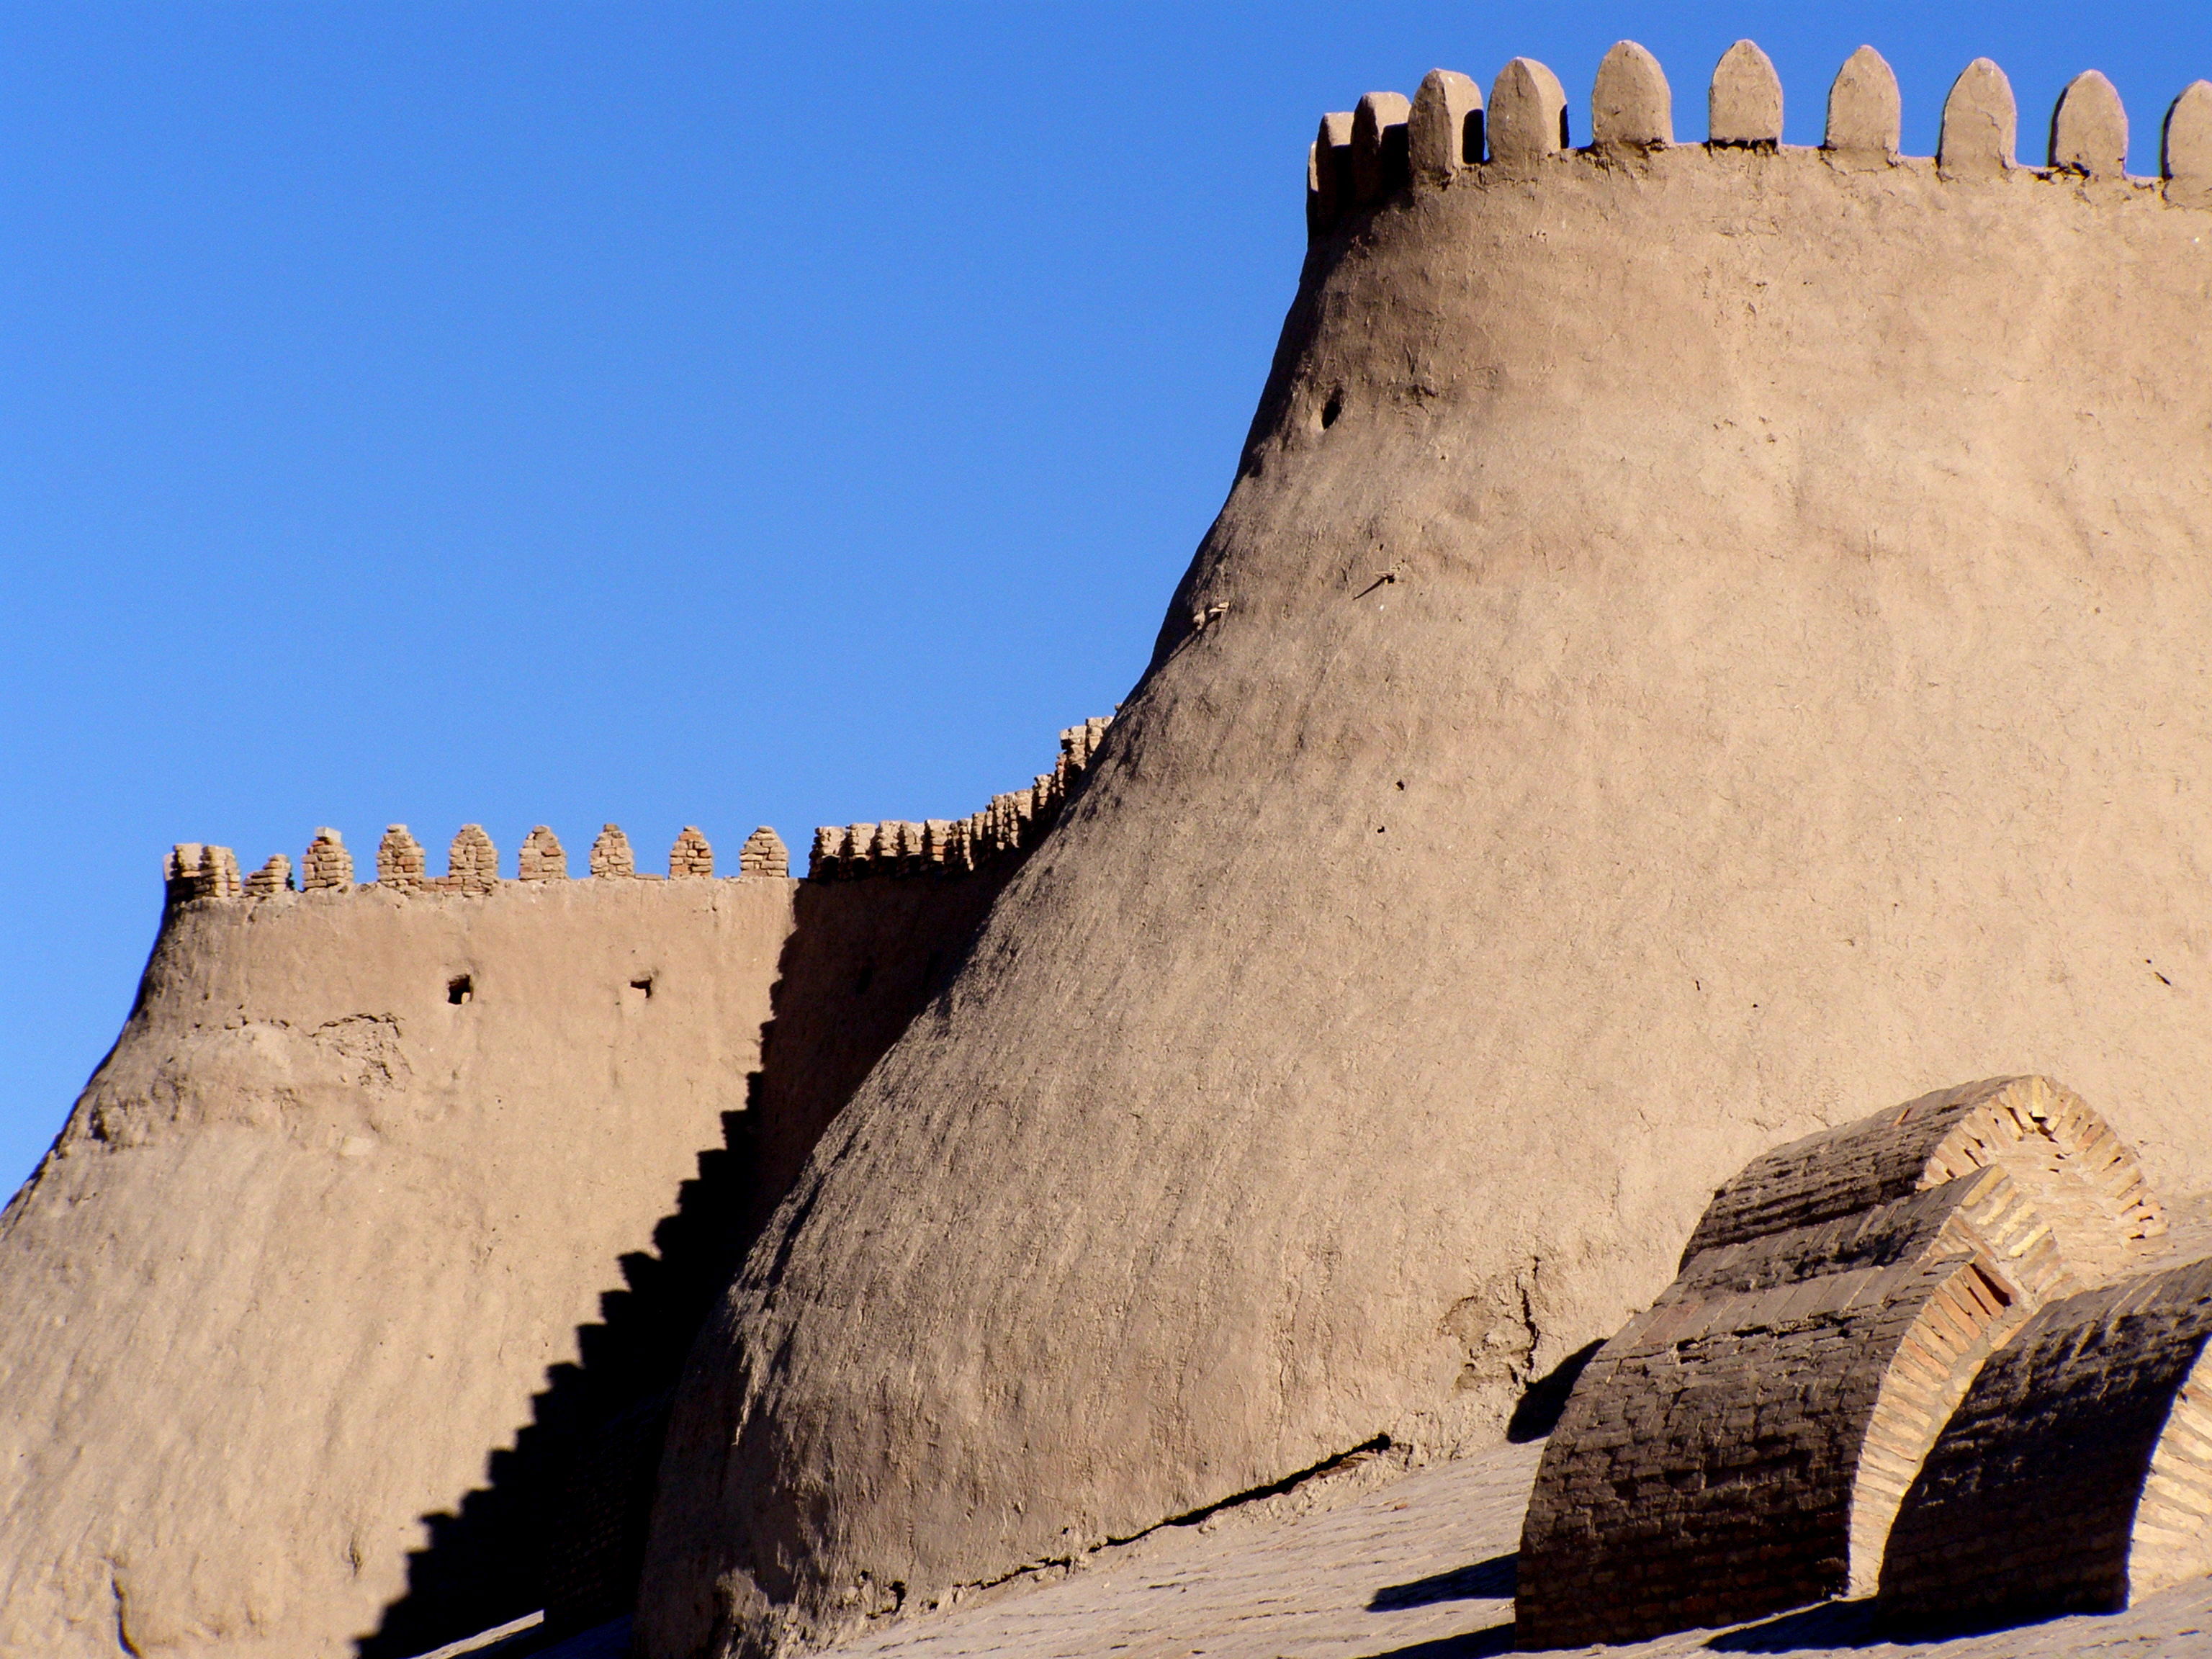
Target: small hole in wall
x=1332, y=409
x=643, y=986
x=867, y=978
x=459, y=989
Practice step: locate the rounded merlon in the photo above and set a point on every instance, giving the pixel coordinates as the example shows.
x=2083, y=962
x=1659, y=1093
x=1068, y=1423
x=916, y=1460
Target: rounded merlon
x=1527, y=116
x=1378, y=145
x=328, y=865
x=2089, y=128
x=471, y=862
x=1443, y=133
x=691, y=855
x=1744, y=105
x=1631, y=104
x=541, y=858
x=2185, y=148
x=1981, y=125
x=764, y=854
x=401, y=863
x=610, y=854
x=1328, y=172
x=1865, y=113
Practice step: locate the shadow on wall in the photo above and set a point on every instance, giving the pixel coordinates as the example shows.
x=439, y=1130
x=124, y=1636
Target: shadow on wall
x=488, y=1560
x=561, y=1521
x=864, y=957
x=1537, y=1413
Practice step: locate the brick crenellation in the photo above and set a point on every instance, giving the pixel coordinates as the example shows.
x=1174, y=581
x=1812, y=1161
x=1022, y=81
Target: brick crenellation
x=1013, y=823
x=191, y=871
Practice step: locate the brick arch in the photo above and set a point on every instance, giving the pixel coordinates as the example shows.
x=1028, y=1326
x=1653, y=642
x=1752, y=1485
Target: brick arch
x=1744, y=1445
x=2087, y=1182
x=2040, y=1131
x=2171, y=1542
x=1955, y=1329
x=2100, y=1410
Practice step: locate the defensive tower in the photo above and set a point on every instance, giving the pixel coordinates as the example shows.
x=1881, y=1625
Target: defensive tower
x=1705, y=639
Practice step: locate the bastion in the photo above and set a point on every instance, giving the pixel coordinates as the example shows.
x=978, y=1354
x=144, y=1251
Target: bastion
x=1704, y=642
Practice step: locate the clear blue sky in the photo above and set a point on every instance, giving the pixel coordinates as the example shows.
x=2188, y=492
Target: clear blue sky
x=670, y=414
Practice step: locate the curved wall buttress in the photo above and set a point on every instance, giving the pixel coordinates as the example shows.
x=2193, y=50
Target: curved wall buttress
x=1647, y=687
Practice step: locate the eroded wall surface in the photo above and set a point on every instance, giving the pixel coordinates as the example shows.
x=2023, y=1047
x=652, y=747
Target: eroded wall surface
x=1702, y=643
x=318, y=1233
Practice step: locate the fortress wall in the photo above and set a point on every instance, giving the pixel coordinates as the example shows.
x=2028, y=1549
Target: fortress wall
x=869, y=951
x=387, y=1222
x=358, y=1169
x=1704, y=640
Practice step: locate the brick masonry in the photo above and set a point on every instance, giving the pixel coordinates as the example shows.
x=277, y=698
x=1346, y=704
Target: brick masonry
x=1743, y=1446
x=2077, y=1473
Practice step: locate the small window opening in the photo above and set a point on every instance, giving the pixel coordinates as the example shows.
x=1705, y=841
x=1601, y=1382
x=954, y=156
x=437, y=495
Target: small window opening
x=1332, y=409
x=459, y=989
x=644, y=985
x=1471, y=151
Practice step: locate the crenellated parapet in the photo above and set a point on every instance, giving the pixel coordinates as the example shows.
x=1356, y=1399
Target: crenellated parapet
x=1389, y=144
x=691, y=855
x=191, y=871
x=610, y=854
x=1013, y=823
x=763, y=855
x=543, y=859
x=401, y=864
x=472, y=862
x=328, y=865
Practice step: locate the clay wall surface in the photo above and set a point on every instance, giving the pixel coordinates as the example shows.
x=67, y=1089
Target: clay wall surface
x=1704, y=642
x=865, y=959
x=528, y=1128
x=325, y=1234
